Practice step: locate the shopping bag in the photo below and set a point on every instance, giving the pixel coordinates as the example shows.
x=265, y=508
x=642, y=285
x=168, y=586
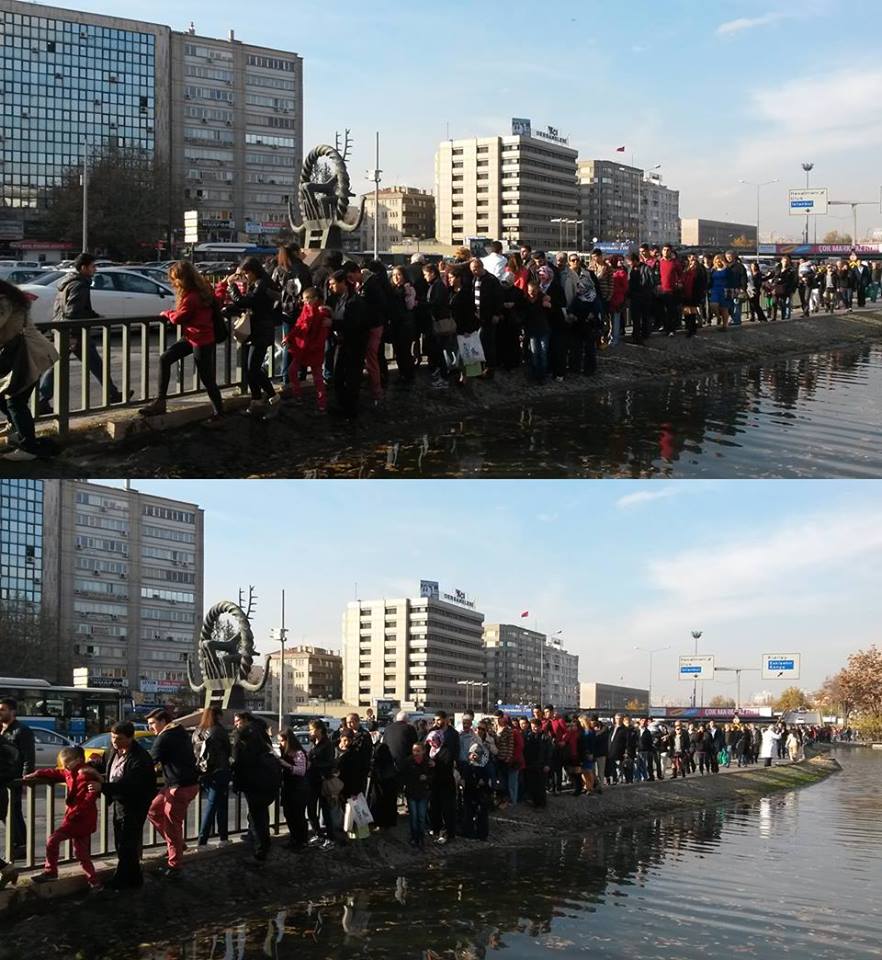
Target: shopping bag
x=242, y=327
x=361, y=812
x=470, y=349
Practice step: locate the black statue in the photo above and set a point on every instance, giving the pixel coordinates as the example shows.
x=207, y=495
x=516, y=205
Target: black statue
x=226, y=662
x=324, y=202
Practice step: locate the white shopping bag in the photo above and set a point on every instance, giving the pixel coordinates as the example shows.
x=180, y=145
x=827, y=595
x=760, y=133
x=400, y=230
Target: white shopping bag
x=470, y=349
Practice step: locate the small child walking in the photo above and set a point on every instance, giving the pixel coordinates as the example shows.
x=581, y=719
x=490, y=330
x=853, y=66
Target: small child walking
x=306, y=345
x=81, y=816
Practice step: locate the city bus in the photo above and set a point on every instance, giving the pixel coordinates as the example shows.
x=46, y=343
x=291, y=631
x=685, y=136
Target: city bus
x=75, y=712
x=229, y=252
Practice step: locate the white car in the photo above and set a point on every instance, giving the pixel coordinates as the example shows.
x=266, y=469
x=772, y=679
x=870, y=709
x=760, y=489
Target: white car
x=116, y=293
x=19, y=275
x=23, y=264
x=47, y=743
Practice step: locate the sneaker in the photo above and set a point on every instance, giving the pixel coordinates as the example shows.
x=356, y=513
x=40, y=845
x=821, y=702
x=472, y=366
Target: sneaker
x=256, y=409
x=224, y=843
x=313, y=840
x=21, y=455
x=326, y=845
x=272, y=408
x=44, y=878
x=8, y=874
x=154, y=409
x=441, y=840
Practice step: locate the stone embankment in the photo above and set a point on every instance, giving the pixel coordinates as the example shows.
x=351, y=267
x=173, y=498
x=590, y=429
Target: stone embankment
x=224, y=884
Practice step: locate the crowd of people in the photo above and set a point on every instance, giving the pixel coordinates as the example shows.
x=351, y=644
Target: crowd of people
x=339, y=785
x=464, y=317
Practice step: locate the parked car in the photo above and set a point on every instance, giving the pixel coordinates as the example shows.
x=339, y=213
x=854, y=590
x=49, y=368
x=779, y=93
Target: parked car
x=47, y=744
x=24, y=264
x=116, y=292
x=19, y=275
x=97, y=745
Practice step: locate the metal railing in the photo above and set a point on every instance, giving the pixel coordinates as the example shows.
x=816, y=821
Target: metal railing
x=45, y=802
x=129, y=350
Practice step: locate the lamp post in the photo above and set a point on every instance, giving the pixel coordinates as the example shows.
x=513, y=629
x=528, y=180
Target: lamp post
x=854, y=205
x=696, y=636
x=808, y=167
x=737, y=671
x=374, y=175
x=651, y=654
x=560, y=222
x=763, y=183
x=466, y=684
x=280, y=634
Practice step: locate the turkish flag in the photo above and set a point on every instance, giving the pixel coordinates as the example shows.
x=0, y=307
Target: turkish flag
x=526, y=613
x=620, y=149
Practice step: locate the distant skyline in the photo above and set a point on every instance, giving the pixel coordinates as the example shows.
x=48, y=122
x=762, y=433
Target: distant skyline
x=712, y=93
x=758, y=566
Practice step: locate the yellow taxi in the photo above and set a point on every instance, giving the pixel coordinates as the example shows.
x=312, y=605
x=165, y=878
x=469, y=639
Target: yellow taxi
x=96, y=746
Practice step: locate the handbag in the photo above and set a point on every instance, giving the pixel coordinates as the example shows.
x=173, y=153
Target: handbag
x=242, y=327
x=470, y=348
x=444, y=327
x=221, y=331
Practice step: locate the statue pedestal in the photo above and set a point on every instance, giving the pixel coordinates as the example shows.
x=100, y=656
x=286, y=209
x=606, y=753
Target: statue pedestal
x=226, y=694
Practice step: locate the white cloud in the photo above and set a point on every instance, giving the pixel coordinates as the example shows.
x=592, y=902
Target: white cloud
x=748, y=23
x=647, y=496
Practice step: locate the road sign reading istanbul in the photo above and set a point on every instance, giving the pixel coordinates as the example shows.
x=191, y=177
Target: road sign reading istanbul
x=780, y=666
x=696, y=668
x=813, y=201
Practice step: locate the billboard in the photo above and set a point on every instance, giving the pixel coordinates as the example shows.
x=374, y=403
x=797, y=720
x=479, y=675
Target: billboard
x=521, y=127
x=812, y=201
x=696, y=668
x=780, y=666
x=430, y=589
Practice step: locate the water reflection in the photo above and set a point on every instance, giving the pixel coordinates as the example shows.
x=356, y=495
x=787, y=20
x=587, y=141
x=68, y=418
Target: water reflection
x=816, y=415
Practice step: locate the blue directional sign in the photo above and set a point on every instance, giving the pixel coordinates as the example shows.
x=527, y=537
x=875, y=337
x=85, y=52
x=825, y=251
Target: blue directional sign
x=801, y=203
x=695, y=669
x=781, y=664
x=778, y=666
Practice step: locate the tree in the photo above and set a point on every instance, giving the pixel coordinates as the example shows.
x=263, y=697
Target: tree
x=720, y=701
x=128, y=200
x=834, y=236
x=861, y=683
x=29, y=641
x=744, y=242
x=791, y=699
x=833, y=697
x=634, y=705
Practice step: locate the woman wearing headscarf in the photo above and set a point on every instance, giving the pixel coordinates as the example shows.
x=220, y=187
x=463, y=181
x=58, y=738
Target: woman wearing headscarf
x=442, y=801
x=383, y=786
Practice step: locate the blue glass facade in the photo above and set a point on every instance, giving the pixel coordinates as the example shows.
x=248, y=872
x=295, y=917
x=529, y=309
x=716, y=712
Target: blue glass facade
x=21, y=541
x=65, y=85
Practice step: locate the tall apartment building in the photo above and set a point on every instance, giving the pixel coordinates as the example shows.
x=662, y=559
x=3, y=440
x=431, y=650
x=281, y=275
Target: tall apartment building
x=524, y=666
x=311, y=673
x=405, y=213
x=506, y=188
x=122, y=573
x=659, y=211
x=415, y=650
x=225, y=117
x=716, y=234
x=609, y=199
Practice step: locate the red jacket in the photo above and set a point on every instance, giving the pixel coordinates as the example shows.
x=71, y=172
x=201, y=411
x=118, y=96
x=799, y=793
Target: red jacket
x=195, y=318
x=81, y=813
x=559, y=730
x=309, y=333
x=517, y=753
x=671, y=273
x=620, y=288
x=572, y=745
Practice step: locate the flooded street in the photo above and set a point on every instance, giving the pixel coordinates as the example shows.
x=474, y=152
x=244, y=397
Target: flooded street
x=795, y=874
x=818, y=416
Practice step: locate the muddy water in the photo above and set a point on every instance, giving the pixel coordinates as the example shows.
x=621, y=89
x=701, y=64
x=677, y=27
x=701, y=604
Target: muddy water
x=794, y=875
x=818, y=416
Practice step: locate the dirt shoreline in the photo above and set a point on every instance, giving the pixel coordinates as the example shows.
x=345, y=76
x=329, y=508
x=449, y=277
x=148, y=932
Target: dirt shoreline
x=301, y=436
x=223, y=885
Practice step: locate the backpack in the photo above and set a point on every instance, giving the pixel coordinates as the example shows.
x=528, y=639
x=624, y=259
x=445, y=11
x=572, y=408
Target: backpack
x=289, y=302
x=221, y=331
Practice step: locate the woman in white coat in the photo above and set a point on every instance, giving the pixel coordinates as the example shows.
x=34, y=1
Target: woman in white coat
x=769, y=745
x=25, y=354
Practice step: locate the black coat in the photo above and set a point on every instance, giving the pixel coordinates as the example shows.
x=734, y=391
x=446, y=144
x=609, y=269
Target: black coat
x=618, y=742
x=375, y=290
x=538, y=750
x=320, y=762
x=255, y=768
x=22, y=738
x=173, y=751
x=491, y=298
x=416, y=779
x=352, y=772
x=261, y=301
x=217, y=749
x=400, y=736
x=136, y=788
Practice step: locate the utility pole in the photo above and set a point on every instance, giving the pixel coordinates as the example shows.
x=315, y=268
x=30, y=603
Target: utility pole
x=854, y=205
x=85, y=248
x=375, y=176
x=808, y=167
x=280, y=635
x=696, y=636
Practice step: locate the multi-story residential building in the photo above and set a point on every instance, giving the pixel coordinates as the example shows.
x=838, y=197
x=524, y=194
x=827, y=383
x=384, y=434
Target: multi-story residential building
x=311, y=673
x=717, y=234
x=423, y=651
x=659, y=211
x=405, y=213
x=609, y=200
x=223, y=118
x=524, y=666
x=506, y=188
x=560, y=675
x=609, y=698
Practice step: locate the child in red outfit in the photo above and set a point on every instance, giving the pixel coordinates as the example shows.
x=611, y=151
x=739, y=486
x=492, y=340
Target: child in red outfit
x=306, y=345
x=80, y=817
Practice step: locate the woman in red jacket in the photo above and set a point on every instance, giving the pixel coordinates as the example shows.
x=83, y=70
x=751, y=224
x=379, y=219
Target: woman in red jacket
x=194, y=314
x=80, y=815
x=616, y=305
x=306, y=345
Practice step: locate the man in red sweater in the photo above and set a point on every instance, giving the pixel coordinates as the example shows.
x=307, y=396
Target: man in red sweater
x=671, y=274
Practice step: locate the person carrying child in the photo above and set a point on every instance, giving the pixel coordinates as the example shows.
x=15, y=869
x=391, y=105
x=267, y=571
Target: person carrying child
x=81, y=814
x=306, y=345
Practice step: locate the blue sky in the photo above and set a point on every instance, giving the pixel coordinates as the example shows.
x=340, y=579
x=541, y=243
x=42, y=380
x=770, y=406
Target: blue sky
x=759, y=566
x=714, y=92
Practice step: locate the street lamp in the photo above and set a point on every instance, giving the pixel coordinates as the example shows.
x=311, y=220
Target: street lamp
x=854, y=205
x=280, y=634
x=560, y=221
x=696, y=636
x=651, y=653
x=808, y=167
x=753, y=183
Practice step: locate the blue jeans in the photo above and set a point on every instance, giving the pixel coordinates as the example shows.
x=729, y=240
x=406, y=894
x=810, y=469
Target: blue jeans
x=514, y=783
x=217, y=794
x=417, y=811
x=539, y=356
x=93, y=359
x=616, y=319
x=736, y=313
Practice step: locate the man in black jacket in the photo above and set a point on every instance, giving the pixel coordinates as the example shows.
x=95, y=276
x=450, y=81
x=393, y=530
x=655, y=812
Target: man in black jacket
x=538, y=755
x=173, y=751
x=618, y=748
x=351, y=325
x=22, y=739
x=130, y=785
x=74, y=302
x=646, y=751
x=400, y=736
x=9, y=764
x=486, y=293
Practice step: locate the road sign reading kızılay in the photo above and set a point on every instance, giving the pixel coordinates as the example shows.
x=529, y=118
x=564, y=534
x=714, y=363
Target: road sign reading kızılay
x=778, y=666
x=696, y=668
x=813, y=201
